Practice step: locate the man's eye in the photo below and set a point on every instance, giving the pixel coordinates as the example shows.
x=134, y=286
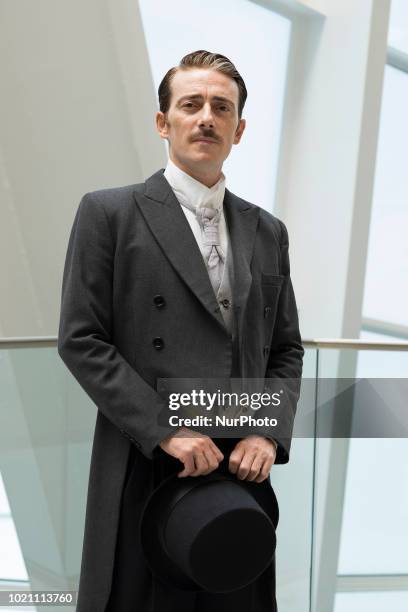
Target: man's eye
x=188, y=105
x=223, y=107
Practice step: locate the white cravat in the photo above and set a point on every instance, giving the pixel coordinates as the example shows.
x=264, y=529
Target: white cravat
x=191, y=193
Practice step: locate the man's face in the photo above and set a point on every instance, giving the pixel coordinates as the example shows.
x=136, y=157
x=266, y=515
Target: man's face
x=201, y=123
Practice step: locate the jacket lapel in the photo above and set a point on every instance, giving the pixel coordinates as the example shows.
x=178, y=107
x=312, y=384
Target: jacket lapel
x=169, y=225
x=242, y=221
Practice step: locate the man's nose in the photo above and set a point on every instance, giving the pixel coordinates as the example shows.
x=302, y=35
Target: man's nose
x=206, y=117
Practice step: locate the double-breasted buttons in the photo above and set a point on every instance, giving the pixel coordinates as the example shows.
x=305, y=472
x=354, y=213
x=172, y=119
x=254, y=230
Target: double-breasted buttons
x=266, y=351
x=267, y=311
x=159, y=301
x=225, y=302
x=158, y=343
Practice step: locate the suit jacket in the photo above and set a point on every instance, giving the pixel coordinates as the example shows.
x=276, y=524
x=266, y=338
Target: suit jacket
x=137, y=305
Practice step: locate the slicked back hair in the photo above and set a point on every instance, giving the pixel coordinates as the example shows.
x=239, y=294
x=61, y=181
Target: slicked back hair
x=202, y=59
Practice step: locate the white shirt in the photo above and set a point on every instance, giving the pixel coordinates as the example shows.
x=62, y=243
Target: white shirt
x=188, y=189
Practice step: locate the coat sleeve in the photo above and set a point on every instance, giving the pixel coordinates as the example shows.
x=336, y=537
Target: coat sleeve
x=285, y=359
x=85, y=332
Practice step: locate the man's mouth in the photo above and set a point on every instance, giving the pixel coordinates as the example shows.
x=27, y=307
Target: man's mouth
x=206, y=140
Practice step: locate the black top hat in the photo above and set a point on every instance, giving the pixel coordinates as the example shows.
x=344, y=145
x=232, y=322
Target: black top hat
x=213, y=533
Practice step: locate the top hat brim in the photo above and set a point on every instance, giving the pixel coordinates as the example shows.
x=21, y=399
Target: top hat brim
x=154, y=548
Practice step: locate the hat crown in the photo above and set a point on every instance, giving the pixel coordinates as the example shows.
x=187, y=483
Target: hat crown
x=212, y=533
x=209, y=546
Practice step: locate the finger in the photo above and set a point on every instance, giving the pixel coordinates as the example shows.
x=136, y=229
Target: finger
x=235, y=459
x=200, y=463
x=256, y=467
x=211, y=460
x=247, y=460
x=265, y=471
x=218, y=454
x=189, y=466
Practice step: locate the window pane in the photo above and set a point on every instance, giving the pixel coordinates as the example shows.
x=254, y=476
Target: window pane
x=4, y=505
x=381, y=364
x=257, y=41
x=372, y=602
x=375, y=517
x=12, y=565
x=385, y=292
x=398, y=32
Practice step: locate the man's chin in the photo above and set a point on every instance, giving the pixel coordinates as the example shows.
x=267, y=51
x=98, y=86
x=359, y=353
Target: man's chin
x=204, y=156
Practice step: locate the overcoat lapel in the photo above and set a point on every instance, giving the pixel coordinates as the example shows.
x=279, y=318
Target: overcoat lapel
x=242, y=221
x=169, y=225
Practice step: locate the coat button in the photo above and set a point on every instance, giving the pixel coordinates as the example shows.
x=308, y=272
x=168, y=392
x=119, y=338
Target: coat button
x=159, y=301
x=226, y=303
x=158, y=343
x=267, y=311
x=266, y=351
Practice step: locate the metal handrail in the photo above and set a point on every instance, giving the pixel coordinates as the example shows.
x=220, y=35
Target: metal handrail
x=28, y=342
x=317, y=343
x=361, y=345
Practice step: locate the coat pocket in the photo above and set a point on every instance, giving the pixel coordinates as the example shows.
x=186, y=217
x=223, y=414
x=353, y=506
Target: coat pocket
x=272, y=279
x=271, y=286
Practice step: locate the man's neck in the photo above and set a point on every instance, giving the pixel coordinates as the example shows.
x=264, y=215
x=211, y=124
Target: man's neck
x=207, y=176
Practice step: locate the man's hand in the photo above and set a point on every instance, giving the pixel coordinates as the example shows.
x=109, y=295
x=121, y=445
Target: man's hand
x=198, y=452
x=252, y=458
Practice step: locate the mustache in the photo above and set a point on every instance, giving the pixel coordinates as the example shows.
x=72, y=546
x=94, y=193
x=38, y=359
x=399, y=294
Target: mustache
x=206, y=133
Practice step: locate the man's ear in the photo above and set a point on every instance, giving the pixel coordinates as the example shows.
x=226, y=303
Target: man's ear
x=239, y=131
x=161, y=124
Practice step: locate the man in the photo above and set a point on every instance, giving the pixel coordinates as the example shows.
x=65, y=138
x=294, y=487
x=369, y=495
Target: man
x=173, y=278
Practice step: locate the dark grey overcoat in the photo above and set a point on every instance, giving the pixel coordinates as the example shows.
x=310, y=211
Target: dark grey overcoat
x=127, y=246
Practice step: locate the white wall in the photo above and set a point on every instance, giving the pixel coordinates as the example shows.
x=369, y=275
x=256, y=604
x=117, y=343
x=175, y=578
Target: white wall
x=328, y=158
x=66, y=128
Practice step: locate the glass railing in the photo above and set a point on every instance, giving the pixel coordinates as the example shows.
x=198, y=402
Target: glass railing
x=360, y=556
x=46, y=434
x=343, y=496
